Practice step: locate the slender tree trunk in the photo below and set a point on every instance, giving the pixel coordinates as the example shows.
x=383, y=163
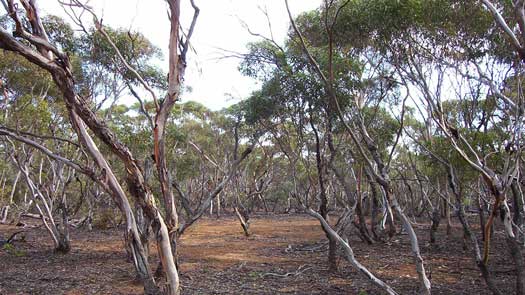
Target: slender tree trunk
x=435, y=220
x=375, y=208
x=244, y=220
x=5, y=210
x=481, y=214
x=447, y=215
x=363, y=230
x=323, y=206
x=218, y=211
x=132, y=235
x=518, y=203
x=485, y=271
x=420, y=267
x=516, y=253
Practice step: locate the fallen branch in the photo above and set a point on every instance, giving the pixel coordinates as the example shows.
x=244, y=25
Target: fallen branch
x=350, y=254
x=307, y=248
x=299, y=271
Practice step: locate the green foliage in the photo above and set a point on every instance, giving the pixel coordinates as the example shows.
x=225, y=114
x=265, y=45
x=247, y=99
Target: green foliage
x=14, y=73
x=11, y=249
x=449, y=25
x=134, y=47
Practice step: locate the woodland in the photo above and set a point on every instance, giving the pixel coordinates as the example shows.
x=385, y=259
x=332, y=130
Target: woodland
x=381, y=154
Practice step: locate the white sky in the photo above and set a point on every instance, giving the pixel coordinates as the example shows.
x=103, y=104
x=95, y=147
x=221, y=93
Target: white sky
x=215, y=82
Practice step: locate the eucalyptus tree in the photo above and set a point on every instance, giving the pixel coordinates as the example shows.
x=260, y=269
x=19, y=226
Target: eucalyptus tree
x=460, y=177
x=209, y=149
x=442, y=50
x=377, y=85
x=474, y=66
x=34, y=44
x=43, y=86
x=351, y=48
x=287, y=84
x=48, y=194
x=302, y=99
x=28, y=115
x=491, y=148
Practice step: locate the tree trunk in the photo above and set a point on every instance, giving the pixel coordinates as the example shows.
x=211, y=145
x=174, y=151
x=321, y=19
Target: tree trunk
x=363, y=230
x=132, y=234
x=374, y=212
x=435, y=220
x=518, y=203
x=485, y=272
x=481, y=218
x=64, y=245
x=5, y=210
x=447, y=215
x=420, y=267
x=516, y=254
x=218, y=210
x=244, y=220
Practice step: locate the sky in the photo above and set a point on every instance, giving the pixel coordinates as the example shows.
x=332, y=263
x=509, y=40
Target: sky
x=214, y=80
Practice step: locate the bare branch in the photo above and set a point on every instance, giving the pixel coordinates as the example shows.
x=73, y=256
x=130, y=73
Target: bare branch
x=186, y=45
x=504, y=26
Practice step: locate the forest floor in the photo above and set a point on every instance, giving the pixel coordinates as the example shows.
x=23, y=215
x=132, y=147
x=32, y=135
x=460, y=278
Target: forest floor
x=216, y=258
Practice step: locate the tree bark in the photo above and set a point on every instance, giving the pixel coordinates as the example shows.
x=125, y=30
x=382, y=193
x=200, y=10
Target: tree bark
x=132, y=235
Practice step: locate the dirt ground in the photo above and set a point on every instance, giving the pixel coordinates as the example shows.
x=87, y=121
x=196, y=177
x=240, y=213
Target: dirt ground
x=285, y=255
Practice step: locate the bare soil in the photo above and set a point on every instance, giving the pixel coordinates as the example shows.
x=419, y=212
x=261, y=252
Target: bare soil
x=285, y=255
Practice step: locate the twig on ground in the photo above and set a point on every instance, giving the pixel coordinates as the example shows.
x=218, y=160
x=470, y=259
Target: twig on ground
x=299, y=271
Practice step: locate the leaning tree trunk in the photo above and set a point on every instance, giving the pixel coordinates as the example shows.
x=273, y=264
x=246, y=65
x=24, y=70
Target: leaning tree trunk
x=350, y=254
x=132, y=235
x=244, y=220
x=484, y=269
x=323, y=207
x=420, y=267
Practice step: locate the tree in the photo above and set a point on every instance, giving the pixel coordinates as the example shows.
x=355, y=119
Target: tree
x=51, y=58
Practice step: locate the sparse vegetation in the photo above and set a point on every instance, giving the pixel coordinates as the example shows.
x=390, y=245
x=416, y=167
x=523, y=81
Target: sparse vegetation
x=382, y=153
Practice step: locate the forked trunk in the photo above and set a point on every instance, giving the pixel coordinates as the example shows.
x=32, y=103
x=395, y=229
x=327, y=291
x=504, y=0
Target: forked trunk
x=132, y=235
x=485, y=272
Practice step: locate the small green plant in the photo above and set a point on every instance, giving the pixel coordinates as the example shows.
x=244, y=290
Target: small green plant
x=9, y=248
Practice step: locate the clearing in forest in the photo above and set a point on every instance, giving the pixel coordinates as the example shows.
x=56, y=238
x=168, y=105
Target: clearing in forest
x=285, y=255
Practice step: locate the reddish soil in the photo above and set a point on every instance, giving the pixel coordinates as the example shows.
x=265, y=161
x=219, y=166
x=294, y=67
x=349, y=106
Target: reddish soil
x=217, y=259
